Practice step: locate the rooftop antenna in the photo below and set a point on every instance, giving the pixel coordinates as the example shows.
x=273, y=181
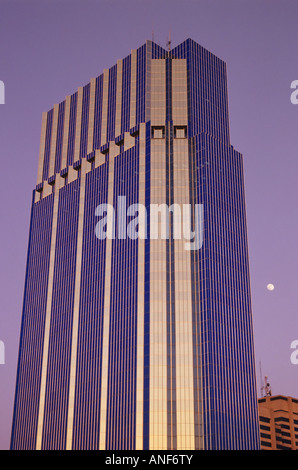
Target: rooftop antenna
x=152, y=33
x=267, y=388
x=262, y=383
x=169, y=41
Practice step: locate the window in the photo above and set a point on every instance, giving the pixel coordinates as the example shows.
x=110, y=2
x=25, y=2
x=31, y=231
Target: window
x=281, y=418
x=180, y=132
x=265, y=444
x=280, y=431
x=265, y=428
x=158, y=132
x=264, y=420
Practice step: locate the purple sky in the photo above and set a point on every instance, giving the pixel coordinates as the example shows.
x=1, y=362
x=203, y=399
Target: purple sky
x=49, y=48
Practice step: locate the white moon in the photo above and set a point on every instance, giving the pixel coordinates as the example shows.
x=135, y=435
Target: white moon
x=270, y=286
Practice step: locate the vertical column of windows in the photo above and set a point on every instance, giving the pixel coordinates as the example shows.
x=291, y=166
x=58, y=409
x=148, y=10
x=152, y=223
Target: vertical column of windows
x=86, y=423
x=61, y=319
x=126, y=92
x=72, y=128
x=53, y=141
x=140, y=299
x=32, y=330
x=133, y=88
x=107, y=303
x=196, y=275
x=85, y=121
x=59, y=143
x=104, y=106
x=183, y=309
x=47, y=145
x=78, y=127
x=119, y=92
x=91, y=114
x=111, y=109
x=47, y=322
x=140, y=84
x=42, y=147
x=146, y=382
x=65, y=133
x=98, y=107
x=158, y=268
x=76, y=305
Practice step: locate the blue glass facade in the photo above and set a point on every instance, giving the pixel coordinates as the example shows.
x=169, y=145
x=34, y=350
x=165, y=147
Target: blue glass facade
x=228, y=392
x=108, y=328
x=123, y=315
x=32, y=329
x=58, y=367
x=88, y=381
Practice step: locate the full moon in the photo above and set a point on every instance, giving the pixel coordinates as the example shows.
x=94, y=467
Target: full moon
x=270, y=286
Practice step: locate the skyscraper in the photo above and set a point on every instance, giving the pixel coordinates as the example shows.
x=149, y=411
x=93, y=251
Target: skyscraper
x=138, y=342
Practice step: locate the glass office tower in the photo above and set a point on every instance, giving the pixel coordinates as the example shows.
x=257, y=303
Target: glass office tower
x=138, y=342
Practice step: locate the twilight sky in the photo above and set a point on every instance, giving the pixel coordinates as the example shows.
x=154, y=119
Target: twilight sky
x=48, y=48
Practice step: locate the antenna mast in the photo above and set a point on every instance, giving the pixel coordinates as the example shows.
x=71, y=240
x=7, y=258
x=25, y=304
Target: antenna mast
x=169, y=41
x=267, y=388
x=262, y=383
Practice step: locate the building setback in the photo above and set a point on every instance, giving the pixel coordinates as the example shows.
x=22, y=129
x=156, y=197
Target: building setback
x=138, y=343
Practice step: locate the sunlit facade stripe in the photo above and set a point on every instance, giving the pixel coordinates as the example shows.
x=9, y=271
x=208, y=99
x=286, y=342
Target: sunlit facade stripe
x=138, y=343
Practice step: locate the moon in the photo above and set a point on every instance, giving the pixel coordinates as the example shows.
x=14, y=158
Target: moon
x=270, y=286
